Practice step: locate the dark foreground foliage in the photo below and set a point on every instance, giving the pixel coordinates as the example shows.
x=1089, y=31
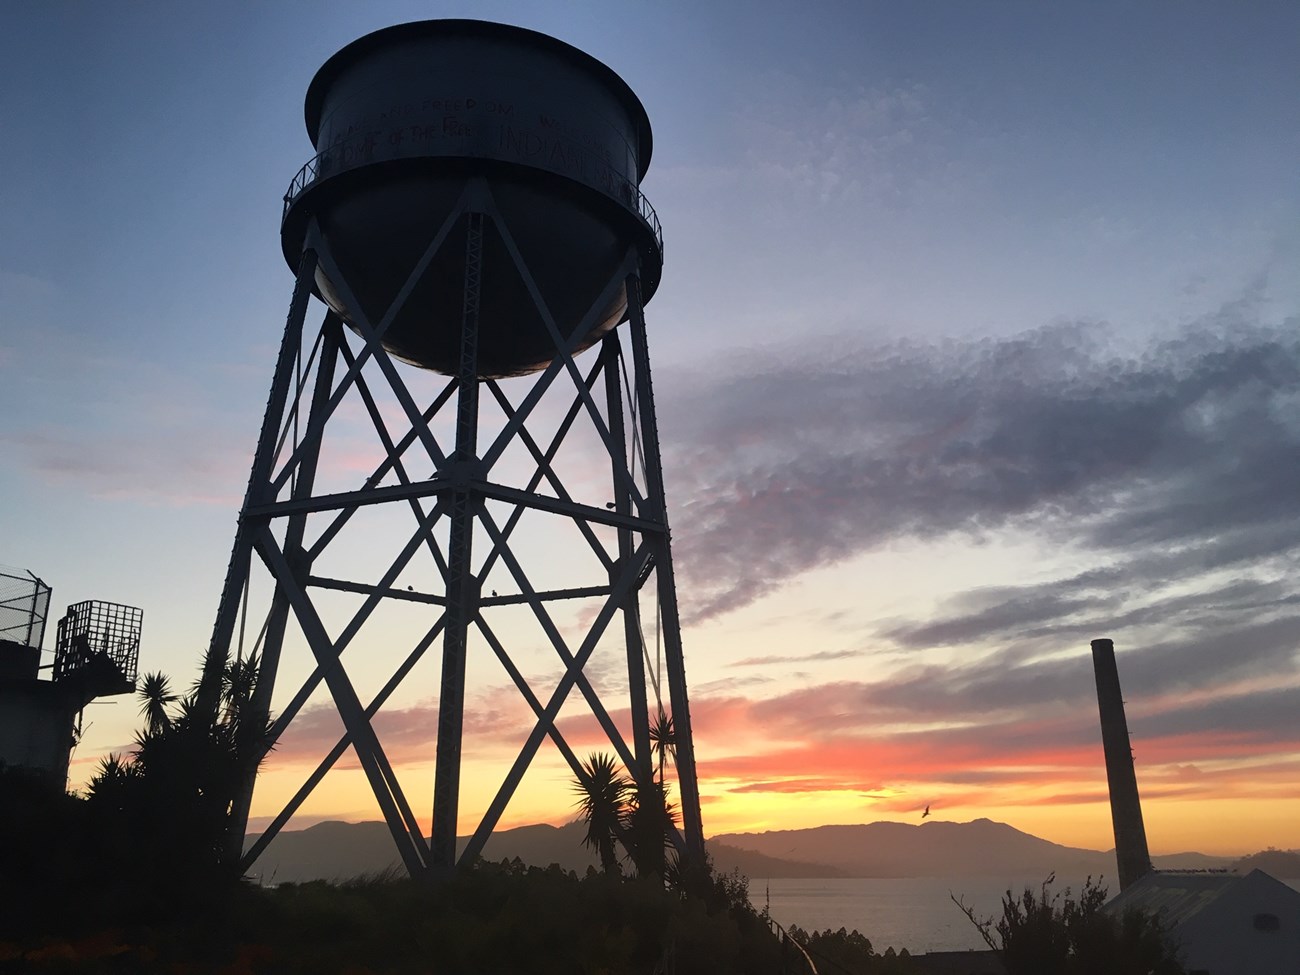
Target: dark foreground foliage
x=495, y=918
x=80, y=896
x=1047, y=933
x=136, y=877
x=145, y=843
x=77, y=895
x=851, y=953
x=70, y=867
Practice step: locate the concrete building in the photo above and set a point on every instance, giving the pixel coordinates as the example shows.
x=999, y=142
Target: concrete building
x=97, y=654
x=36, y=716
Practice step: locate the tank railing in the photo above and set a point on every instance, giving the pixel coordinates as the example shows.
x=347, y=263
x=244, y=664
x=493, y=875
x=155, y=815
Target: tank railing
x=648, y=216
x=628, y=193
x=305, y=177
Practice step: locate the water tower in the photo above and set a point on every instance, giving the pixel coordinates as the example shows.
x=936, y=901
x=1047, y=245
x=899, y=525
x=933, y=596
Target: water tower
x=473, y=224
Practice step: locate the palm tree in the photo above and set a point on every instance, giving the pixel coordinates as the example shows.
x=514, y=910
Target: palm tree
x=208, y=689
x=663, y=738
x=648, y=822
x=602, y=794
x=156, y=697
x=187, y=765
x=250, y=740
x=113, y=775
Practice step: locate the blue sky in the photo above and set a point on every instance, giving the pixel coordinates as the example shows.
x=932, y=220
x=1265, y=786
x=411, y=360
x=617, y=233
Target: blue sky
x=977, y=338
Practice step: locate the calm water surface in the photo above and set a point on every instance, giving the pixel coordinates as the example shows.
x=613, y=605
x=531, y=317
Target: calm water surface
x=912, y=912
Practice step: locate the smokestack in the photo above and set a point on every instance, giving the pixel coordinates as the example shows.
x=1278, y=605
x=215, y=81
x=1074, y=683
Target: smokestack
x=1131, y=852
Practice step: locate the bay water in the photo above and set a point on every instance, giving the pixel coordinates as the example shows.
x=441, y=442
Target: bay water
x=915, y=913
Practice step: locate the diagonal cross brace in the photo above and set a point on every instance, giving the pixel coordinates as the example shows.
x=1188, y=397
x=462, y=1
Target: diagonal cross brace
x=543, y=460
x=373, y=338
x=521, y=682
x=392, y=456
x=546, y=721
x=564, y=349
x=564, y=352
x=373, y=334
x=373, y=480
x=384, y=784
x=337, y=751
x=557, y=641
x=358, y=620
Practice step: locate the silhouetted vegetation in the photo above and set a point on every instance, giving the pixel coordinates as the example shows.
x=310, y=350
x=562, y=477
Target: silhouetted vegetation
x=640, y=818
x=130, y=877
x=492, y=918
x=602, y=797
x=144, y=844
x=169, y=802
x=850, y=953
x=1049, y=933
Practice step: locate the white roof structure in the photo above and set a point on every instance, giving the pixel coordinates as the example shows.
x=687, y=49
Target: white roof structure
x=1225, y=924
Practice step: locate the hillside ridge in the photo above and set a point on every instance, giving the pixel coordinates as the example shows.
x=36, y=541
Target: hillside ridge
x=336, y=850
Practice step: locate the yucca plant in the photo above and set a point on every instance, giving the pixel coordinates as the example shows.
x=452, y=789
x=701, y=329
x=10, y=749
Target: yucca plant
x=602, y=793
x=663, y=739
x=173, y=795
x=156, y=697
x=648, y=823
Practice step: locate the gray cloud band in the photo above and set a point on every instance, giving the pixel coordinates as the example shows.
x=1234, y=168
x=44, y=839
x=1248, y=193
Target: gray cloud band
x=1181, y=460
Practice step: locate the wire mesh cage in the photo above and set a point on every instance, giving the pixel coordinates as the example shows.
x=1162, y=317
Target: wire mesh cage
x=24, y=607
x=99, y=645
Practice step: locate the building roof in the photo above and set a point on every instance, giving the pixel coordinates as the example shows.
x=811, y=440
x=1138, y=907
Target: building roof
x=959, y=963
x=1179, y=897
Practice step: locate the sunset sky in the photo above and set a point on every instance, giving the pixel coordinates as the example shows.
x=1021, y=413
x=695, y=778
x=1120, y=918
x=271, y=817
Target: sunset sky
x=978, y=338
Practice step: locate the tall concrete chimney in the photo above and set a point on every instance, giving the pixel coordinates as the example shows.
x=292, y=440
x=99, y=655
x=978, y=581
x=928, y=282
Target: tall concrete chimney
x=1131, y=852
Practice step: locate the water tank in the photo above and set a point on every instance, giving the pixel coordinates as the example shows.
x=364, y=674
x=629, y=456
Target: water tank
x=402, y=118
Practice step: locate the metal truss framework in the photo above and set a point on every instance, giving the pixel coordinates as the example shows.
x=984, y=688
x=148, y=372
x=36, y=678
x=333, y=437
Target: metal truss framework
x=281, y=496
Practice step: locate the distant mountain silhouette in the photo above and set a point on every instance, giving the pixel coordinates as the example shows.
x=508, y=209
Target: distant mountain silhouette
x=337, y=851
x=944, y=849
x=728, y=858
x=1282, y=864
x=326, y=851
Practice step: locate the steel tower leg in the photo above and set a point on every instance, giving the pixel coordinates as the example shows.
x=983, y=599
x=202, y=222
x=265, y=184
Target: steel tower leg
x=462, y=587
x=692, y=822
x=636, y=662
x=223, y=629
x=260, y=704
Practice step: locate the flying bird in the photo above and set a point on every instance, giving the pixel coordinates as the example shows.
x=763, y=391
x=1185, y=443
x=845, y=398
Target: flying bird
x=926, y=813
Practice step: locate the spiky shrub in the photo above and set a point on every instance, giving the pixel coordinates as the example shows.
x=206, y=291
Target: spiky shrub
x=161, y=813
x=648, y=823
x=1046, y=933
x=602, y=792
